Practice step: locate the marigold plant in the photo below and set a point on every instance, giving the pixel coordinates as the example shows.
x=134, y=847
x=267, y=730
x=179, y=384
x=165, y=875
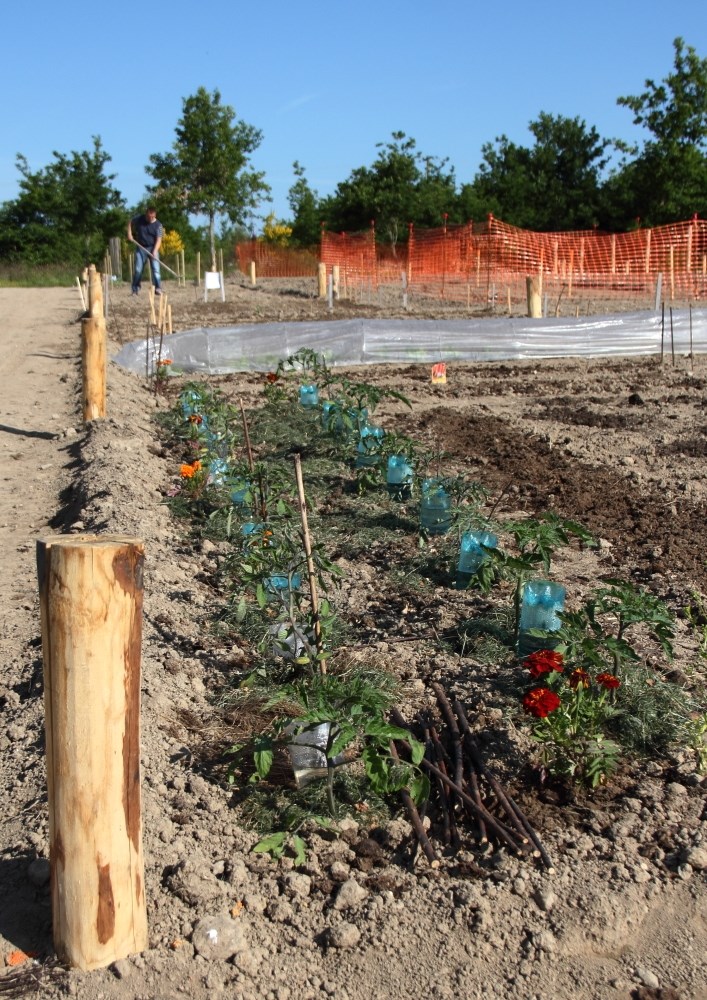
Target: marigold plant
x=172, y=244
x=572, y=711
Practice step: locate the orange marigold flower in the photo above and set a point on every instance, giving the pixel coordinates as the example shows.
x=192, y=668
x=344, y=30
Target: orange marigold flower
x=166, y=361
x=195, y=418
x=186, y=471
x=608, y=681
x=544, y=661
x=579, y=678
x=540, y=702
x=272, y=377
x=196, y=465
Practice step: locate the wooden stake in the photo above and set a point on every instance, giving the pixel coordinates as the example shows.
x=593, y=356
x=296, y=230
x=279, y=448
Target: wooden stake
x=534, y=301
x=310, y=563
x=321, y=280
x=90, y=591
x=81, y=295
x=93, y=367
x=335, y=283
x=198, y=268
x=169, y=318
x=252, y=272
x=151, y=296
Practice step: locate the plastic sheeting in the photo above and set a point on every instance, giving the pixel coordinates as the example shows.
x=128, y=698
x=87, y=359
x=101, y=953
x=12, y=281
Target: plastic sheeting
x=259, y=346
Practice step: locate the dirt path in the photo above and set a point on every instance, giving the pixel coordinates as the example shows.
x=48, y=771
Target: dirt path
x=623, y=916
x=38, y=416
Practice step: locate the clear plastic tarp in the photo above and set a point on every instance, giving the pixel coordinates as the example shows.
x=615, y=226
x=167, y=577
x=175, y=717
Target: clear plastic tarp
x=259, y=346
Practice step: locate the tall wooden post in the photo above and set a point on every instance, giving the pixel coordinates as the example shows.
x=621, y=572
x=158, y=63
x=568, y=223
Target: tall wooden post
x=198, y=268
x=321, y=280
x=93, y=351
x=335, y=280
x=90, y=591
x=252, y=273
x=532, y=286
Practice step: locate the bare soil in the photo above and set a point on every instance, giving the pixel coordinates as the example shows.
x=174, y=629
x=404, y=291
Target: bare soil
x=618, y=445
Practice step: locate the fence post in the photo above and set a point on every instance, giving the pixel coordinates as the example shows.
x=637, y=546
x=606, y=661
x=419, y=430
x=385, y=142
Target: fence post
x=533, y=293
x=321, y=280
x=335, y=280
x=90, y=591
x=252, y=272
x=198, y=268
x=93, y=351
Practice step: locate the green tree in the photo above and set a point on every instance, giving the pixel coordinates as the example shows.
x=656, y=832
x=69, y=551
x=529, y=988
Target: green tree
x=666, y=181
x=552, y=185
x=401, y=186
x=208, y=169
x=65, y=213
x=304, y=203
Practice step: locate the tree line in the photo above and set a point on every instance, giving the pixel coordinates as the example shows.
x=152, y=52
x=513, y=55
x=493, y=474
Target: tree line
x=567, y=178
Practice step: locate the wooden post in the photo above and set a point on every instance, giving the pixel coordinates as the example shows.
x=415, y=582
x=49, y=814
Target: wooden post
x=90, y=591
x=534, y=301
x=613, y=253
x=93, y=351
x=252, y=272
x=335, y=280
x=648, y=251
x=169, y=319
x=220, y=259
x=198, y=268
x=321, y=280
x=93, y=366
x=151, y=296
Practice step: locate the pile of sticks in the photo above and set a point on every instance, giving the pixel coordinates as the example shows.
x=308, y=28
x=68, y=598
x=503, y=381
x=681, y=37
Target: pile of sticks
x=463, y=790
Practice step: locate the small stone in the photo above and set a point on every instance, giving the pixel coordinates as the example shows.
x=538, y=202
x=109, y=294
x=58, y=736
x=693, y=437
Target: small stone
x=339, y=871
x=121, y=969
x=350, y=894
x=344, y=935
x=545, y=898
x=218, y=936
x=648, y=978
x=696, y=857
x=296, y=884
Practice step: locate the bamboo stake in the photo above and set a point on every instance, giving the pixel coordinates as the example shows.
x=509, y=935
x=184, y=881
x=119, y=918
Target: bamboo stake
x=672, y=337
x=90, y=592
x=198, y=269
x=692, y=353
x=310, y=564
x=169, y=318
x=151, y=296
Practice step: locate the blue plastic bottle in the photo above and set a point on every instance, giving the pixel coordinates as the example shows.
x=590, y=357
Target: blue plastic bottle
x=368, y=448
x=327, y=406
x=280, y=584
x=218, y=470
x=435, y=508
x=399, y=477
x=241, y=493
x=472, y=555
x=541, y=601
x=309, y=396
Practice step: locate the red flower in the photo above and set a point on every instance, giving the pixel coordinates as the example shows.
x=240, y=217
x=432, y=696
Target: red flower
x=608, y=681
x=540, y=702
x=579, y=677
x=272, y=377
x=544, y=661
x=196, y=419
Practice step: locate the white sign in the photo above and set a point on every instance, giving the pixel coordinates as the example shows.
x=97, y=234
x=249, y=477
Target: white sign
x=212, y=279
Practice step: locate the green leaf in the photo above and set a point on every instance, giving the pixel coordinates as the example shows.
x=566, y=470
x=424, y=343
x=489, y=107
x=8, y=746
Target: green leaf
x=300, y=849
x=274, y=844
x=263, y=762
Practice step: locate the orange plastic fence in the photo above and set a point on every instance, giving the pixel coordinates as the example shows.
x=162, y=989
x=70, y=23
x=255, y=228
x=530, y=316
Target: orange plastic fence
x=275, y=262
x=490, y=261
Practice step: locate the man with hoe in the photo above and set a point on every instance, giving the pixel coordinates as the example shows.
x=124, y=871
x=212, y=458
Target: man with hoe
x=147, y=236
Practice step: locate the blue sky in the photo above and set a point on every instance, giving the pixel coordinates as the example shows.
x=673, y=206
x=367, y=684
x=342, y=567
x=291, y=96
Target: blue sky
x=324, y=82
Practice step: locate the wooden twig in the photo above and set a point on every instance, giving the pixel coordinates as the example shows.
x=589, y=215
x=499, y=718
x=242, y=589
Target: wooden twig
x=414, y=818
x=246, y=437
x=449, y=827
x=310, y=565
x=501, y=831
